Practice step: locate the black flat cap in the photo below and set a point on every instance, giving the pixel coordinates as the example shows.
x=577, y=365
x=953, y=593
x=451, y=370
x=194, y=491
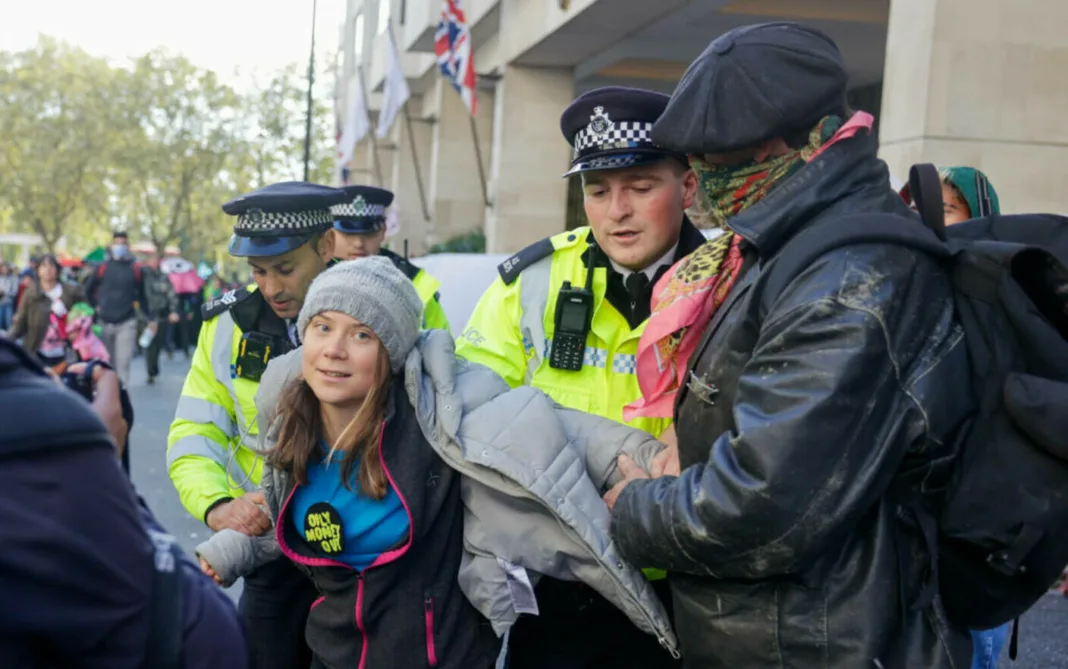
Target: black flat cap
x=611, y=128
x=752, y=84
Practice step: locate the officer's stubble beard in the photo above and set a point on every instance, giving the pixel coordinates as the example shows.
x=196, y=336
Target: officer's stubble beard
x=322, y=247
x=305, y=262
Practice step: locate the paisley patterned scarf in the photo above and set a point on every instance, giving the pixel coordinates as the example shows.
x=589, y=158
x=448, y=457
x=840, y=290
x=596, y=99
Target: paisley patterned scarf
x=694, y=289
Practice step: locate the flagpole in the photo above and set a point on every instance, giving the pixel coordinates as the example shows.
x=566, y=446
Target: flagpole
x=415, y=162
x=311, y=82
x=411, y=135
x=478, y=159
x=371, y=130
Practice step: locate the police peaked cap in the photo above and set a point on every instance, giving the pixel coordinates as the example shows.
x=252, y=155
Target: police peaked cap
x=611, y=128
x=364, y=211
x=279, y=218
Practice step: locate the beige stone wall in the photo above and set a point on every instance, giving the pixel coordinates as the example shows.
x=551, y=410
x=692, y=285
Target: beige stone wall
x=404, y=181
x=524, y=23
x=361, y=167
x=455, y=190
x=528, y=195
x=981, y=83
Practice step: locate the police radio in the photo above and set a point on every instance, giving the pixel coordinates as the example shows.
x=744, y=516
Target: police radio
x=574, y=310
x=255, y=351
x=574, y=313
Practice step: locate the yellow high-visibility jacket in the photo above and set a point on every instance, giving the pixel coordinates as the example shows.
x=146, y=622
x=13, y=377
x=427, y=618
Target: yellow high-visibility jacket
x=208, y=447
x=433, y=315
x=511, y=331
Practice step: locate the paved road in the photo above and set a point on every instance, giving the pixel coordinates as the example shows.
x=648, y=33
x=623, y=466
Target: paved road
x=1043, y=632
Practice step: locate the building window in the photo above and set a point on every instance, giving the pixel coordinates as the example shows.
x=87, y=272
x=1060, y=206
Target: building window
x=357, y=39
x=383, y=14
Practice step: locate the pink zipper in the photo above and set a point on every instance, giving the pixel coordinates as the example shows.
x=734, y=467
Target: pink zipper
x=392, y=555
x=428, y=613
x=317, y=603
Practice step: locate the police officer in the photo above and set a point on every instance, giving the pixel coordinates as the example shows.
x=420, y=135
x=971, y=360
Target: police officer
x=360, y=229
x=281, y=230
x=566, y=315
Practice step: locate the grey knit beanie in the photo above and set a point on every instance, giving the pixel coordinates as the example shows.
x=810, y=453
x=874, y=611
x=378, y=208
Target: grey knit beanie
x=373, y=291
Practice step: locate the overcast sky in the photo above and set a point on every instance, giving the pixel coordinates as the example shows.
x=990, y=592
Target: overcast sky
x=221, y=35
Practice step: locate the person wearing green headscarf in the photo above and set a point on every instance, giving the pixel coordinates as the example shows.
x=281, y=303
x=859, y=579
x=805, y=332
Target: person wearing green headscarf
x=967, y=193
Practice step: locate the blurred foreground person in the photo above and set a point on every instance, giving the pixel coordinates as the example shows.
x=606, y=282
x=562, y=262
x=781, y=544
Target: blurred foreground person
x=89, y=579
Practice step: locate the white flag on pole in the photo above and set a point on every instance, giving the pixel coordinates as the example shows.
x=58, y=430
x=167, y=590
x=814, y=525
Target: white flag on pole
x=395, y=92
x=357, y=122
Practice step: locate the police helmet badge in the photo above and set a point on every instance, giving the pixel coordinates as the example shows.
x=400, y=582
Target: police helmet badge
x=600, y=125
x=359, y=205
x=254, y=216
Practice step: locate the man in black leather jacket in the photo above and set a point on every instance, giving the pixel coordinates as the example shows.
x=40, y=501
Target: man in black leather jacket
x=784, y=542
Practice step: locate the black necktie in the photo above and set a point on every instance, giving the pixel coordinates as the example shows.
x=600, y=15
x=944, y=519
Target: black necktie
x=637, y=284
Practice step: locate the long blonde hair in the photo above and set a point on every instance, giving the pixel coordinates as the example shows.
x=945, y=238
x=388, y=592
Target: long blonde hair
x=301, y=430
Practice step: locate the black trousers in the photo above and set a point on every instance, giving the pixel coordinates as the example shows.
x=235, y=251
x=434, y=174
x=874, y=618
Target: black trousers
x=152, y=354
x=578, y=629
x=274, y=606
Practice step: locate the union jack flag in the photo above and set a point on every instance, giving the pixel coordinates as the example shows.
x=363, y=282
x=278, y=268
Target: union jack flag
x=452, y=44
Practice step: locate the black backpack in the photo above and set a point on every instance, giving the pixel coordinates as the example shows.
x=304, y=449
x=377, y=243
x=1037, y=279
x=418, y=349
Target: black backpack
x=1000, y=532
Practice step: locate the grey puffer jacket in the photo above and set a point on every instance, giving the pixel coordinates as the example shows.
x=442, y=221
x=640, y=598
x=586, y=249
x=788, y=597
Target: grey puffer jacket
x=534, y=473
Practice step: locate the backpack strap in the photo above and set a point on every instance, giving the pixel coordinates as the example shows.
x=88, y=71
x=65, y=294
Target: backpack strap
x=165, y=628
x=926, y=188
x=104, y=266
x=833, y=232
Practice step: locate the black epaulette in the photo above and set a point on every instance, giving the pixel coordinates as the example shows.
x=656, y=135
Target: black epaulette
x=403, y=264
x=223, y=303
x=510, y=269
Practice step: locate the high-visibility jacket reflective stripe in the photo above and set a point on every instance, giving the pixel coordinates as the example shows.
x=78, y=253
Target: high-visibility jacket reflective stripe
x=208, y=454
x=511, y=331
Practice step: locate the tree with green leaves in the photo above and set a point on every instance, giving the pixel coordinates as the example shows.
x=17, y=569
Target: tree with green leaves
x=155, y=147
x=185, y=128
x=58, y=125
x=275, y=115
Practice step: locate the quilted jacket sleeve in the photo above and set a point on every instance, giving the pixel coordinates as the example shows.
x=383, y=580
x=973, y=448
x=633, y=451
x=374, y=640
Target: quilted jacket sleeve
x=603, y=440
x=233, y=554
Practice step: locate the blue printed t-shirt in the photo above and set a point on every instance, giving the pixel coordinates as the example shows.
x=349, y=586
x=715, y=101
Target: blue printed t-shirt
x=343, y=524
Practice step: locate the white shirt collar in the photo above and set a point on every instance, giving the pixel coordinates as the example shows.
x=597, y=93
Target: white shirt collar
x=650, y=271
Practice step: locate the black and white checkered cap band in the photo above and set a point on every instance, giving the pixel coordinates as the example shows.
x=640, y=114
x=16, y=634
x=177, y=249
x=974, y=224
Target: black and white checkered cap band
x=607, y=162
x=623, y=135
x=358, y=209
x=256, y=222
